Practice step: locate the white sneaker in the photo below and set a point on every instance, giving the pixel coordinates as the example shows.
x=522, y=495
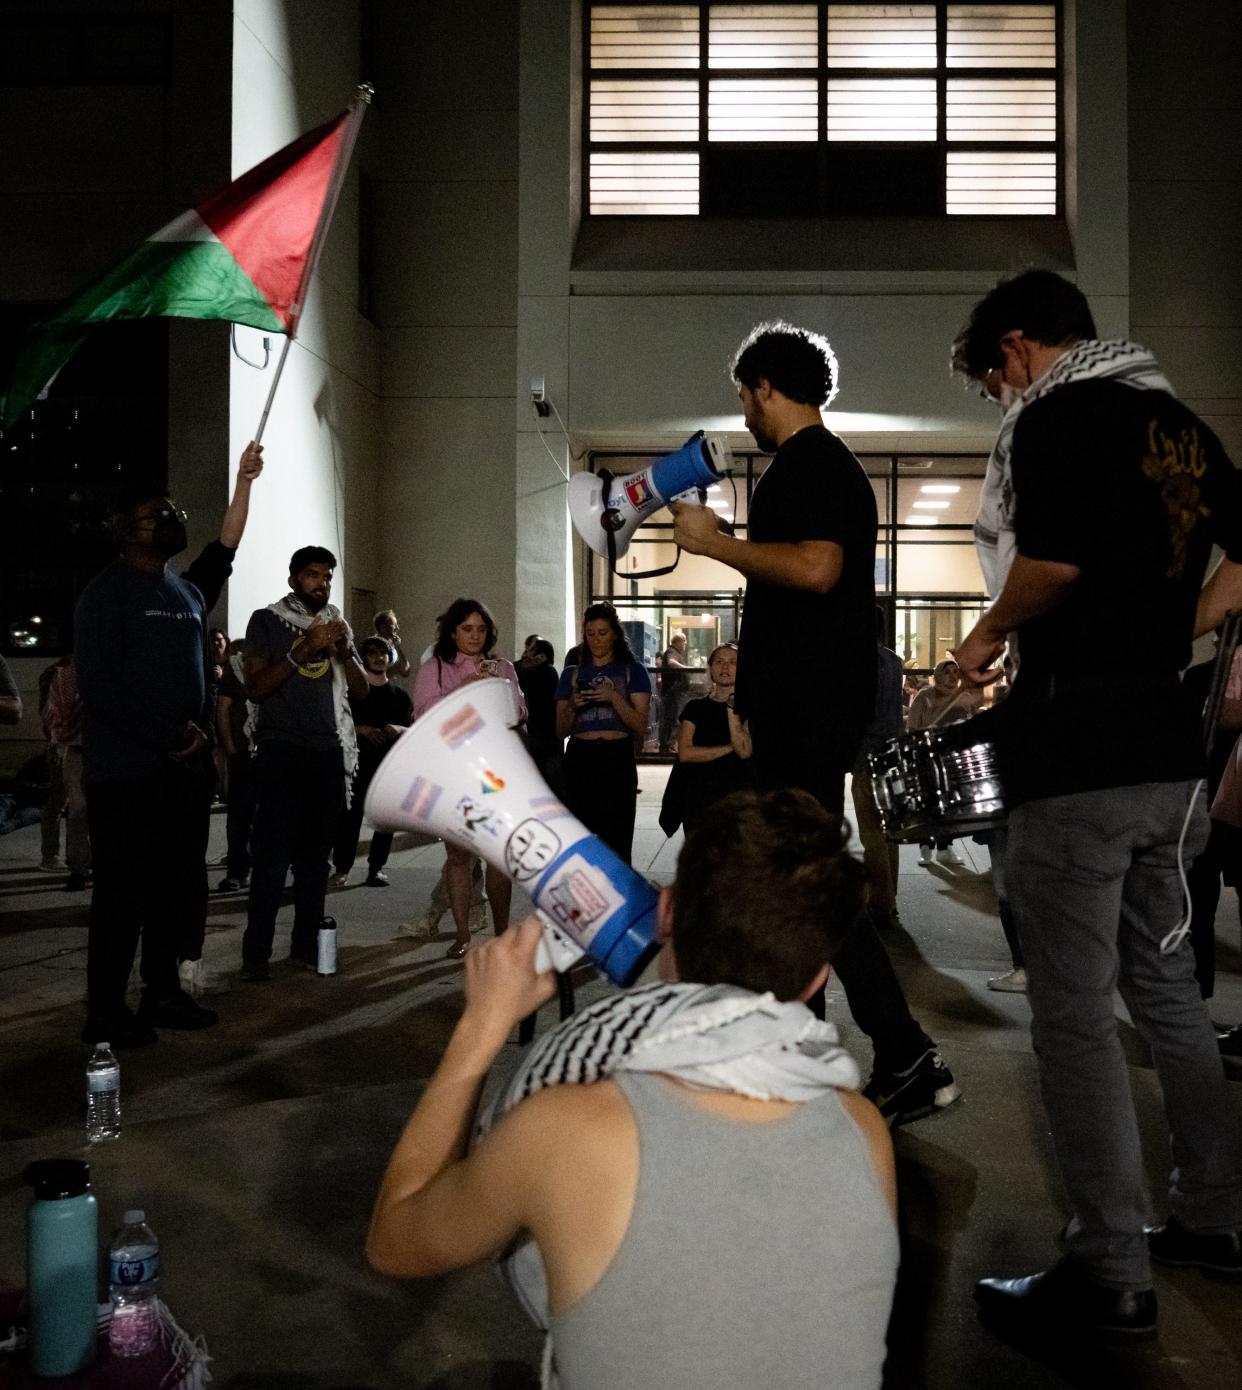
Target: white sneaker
x=339, y=881
x=950, y=855
x=925, y=855
x=196, y=979
x=1013, y=983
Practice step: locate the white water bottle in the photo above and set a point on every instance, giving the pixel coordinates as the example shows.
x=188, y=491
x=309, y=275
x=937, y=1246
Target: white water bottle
x=326, y=964
x=103, y=1095
x=133, y=1277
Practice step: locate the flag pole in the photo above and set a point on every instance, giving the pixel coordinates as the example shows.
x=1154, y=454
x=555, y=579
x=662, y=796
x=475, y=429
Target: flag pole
x=358, y=107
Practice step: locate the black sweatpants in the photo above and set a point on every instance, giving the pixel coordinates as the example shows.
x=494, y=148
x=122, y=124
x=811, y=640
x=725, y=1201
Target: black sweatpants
x=149, y=850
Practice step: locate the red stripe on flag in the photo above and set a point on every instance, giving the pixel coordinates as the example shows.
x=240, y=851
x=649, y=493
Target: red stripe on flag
x=267, y=218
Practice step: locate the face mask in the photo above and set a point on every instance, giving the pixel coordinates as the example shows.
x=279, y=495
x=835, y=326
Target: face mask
x=168, y=535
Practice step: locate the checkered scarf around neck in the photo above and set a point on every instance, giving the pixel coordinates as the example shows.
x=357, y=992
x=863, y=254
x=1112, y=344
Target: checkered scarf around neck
x=293, y=612
x=1091, y=360
x=717, y=1037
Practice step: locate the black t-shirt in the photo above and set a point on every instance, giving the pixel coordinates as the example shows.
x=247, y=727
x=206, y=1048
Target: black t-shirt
x=381, y=705
x=806, y=661
x=706, y=783
x=539, y=687
x=1131, y=488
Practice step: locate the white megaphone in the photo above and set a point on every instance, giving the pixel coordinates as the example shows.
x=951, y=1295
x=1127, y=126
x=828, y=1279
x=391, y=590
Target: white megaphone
x=606, y=511
x=462, y=773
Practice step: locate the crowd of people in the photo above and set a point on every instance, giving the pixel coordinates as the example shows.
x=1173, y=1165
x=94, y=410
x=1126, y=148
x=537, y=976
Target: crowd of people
x=1103, y=499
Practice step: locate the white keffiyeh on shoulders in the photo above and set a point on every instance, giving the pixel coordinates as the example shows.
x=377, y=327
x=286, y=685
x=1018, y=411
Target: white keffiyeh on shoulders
x=714, y=1036
x=1091, y=360
x=293, y=613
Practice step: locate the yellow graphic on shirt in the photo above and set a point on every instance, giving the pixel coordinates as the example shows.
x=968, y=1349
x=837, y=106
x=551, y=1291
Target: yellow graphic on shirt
x=312, y=670
x=1177, y=465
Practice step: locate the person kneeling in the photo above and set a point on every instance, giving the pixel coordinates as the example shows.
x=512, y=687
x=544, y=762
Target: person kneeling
x=714, y=1203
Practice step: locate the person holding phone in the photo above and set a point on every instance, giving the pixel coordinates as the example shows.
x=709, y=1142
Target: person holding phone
x=601, y=706
x=466, y=635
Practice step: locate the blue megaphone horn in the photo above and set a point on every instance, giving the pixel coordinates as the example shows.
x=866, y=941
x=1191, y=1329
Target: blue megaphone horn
x=607, y=510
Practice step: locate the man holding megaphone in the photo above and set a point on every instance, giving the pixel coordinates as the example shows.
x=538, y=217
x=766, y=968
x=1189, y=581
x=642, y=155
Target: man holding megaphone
x=710, y=1148
x=809, y=561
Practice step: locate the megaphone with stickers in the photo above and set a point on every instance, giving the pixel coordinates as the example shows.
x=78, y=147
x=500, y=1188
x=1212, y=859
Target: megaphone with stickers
x=461, y=772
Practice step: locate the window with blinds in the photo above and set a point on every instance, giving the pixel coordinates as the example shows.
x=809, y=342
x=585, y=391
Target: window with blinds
x=822, y=109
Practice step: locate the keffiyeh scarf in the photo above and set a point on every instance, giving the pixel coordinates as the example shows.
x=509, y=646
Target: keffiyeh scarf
x=714, y=1036
x=1092, y=360
x=293, y=612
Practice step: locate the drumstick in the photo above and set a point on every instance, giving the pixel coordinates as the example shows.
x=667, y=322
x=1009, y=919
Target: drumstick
x=952, y=700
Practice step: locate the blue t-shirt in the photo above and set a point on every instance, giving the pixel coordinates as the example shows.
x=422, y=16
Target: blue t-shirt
x=139, y=647
x=627, y=676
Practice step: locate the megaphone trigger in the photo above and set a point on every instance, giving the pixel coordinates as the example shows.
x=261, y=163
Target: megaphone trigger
x=556, y=951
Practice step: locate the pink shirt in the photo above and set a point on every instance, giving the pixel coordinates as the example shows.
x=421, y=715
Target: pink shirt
x=1233, y=687
x=436, y=679
x=62, y=715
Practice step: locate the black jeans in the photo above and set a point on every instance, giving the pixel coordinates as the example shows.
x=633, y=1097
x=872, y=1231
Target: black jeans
x=346, y=850
x=149, y=846
x=299, y=801
x=240, y=814
x=872, y=989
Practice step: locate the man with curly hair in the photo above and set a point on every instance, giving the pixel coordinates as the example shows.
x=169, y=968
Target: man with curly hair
x=806, y=676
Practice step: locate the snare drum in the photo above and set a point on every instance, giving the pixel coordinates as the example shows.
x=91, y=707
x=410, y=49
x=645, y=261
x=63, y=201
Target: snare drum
x=927, y=790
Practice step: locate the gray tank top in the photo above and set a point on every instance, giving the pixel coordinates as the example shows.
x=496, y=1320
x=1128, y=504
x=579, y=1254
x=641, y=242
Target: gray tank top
x=757, y=1255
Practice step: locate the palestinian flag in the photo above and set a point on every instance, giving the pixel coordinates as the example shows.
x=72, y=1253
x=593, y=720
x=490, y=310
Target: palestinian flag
x=240, y=255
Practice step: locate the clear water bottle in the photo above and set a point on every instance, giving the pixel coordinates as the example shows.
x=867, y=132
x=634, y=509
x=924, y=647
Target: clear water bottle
x=103, y=1095
x=133, y=1277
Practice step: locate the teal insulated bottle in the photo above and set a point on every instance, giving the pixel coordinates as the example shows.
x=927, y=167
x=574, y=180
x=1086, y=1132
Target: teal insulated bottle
x=62, y=1261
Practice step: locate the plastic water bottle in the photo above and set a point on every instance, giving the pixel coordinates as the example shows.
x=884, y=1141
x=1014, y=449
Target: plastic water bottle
x=133, y=1274
x=103, y=1095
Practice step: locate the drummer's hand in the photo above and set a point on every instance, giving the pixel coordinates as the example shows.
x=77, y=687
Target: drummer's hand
x=976, y=654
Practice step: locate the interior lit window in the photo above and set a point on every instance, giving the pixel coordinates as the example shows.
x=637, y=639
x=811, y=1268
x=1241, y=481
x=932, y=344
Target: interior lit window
x=824, y=110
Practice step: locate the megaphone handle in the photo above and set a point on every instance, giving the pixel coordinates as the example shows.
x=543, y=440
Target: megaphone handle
x=556, y=951
x=692, y=497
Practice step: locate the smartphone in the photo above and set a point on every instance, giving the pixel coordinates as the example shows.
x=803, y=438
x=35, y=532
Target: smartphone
x=489, y=666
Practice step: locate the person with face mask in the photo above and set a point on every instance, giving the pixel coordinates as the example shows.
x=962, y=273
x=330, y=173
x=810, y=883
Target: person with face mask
x=140, y=641
x=1109, y=496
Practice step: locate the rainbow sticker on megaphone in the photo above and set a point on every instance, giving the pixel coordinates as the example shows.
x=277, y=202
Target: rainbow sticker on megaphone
x=462, y=773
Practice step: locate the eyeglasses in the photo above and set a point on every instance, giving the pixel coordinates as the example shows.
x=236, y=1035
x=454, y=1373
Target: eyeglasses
x=165, y=513
x=984, y=391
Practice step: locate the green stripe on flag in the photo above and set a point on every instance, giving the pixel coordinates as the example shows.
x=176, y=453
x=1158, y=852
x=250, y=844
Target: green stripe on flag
x=176, y=279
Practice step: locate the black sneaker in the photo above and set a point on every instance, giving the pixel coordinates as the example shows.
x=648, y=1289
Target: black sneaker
x=1174, y=1244
x=176, y=1010
x=1230, y=1043
x=122, y=1029
x=921, y=1089
x=377, y=878
x=232, y=885
x=77, y=883
x=256, y=971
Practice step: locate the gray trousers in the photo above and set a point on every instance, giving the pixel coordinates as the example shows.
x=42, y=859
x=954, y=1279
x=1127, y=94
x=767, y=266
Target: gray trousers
x=1094, y=886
